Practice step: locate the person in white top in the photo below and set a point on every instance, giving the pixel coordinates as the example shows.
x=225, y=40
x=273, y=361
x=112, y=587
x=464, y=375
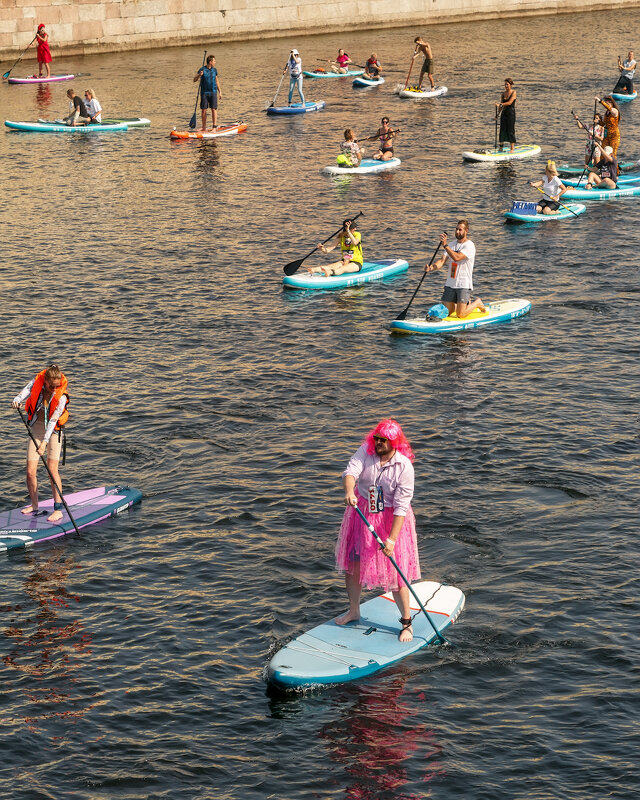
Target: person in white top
x=294, y=65
x=94, y=109
x=460, y=260
x=379, y=480
x=627, y=71
x=552, y=187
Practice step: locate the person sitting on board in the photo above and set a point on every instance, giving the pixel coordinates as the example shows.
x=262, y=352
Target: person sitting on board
x=372, y=68
x=607, y=165
x=460, y=260
x=350, y=241
x=79, y=115
x=627, y=69
x=594, y=132
x=209, y=91
x=341, y=64
x=507, y=110
x=46, y=406
x=294, y=65
x=350, y=152
x=386, y=136
x=379, y=480
x=92, y=104
x=612, y=123
x=427, y=65
x=553, y=189
x=43, y=53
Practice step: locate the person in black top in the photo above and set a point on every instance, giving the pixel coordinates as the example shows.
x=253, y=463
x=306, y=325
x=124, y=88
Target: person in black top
x=79, y=115
x=507, y=110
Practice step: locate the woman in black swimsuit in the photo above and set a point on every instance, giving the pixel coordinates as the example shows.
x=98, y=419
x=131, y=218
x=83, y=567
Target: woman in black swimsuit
x=386, y=136
x=507, y=109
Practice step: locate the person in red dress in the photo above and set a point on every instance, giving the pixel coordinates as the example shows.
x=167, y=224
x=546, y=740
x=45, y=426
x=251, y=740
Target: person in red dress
x=43, y=54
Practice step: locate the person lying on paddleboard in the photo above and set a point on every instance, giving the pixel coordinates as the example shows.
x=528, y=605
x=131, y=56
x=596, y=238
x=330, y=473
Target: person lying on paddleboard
x=553, y=189
x=612, y=123
x=595, y=131
x=507, y=110
x=427, y=65
x=349, y=240
x=94, y=109
x=379, y=480
x=43, y=53
x=606, y=165
x=341, y=64
x=209, y=91
x=79, y=115
x=294, y=65
x=46, y=406
x=350, y=152
x=386, y=136
x=627, y=71
x=460, y=260
x=372, y=68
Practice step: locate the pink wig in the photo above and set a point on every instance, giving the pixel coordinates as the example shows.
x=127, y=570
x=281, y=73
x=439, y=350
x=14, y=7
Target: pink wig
x=392, y=431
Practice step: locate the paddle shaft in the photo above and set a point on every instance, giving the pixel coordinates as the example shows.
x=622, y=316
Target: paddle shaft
x=496, y=127
x=8, y=72
x=403, y=314
x=556, y=201
x=593, y=142
x=371, y=138
x=53, y=480
x=406, y=83
x=192, y=121
x=372, y=530
x=277, y=91
x=293, y=266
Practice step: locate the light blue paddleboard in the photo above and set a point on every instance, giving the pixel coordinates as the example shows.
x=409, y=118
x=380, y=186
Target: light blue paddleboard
x=562, y=213
x=297, y=108
x=52, y=127
x=624, y=98
x=498, y=311
x=371, y=271
x=630, y=190
x=331, y=653
x=368, y=166
x=362, y=82
x=18, y=530
x=623, y=180
x=347, y=74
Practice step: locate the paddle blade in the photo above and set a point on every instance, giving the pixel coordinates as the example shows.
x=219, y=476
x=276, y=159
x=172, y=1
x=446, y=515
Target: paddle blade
x=6, y=75
x=292, y=266
x=192, y=121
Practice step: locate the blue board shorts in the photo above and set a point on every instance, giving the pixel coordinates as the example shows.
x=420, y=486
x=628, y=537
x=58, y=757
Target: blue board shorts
x=451, y=295
x=209, y=100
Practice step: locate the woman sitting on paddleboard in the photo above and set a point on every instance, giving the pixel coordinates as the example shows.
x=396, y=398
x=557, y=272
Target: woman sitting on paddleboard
x=612, y=123
x=607, y=165
x=341, y=64
x=507, y=109
x=43, y=53
x=386, y=136
x=350, y=152
x=349, y=240
x=553, y=189
x=92, y=104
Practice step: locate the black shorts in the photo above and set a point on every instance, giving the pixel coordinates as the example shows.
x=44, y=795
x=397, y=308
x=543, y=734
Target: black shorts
x=209, y=100
x=551, y=204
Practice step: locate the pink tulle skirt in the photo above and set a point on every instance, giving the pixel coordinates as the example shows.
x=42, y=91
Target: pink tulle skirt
x=357, y=544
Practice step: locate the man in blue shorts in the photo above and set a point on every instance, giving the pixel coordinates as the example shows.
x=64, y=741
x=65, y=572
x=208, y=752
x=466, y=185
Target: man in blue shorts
x=459, y=284
x=209, y=91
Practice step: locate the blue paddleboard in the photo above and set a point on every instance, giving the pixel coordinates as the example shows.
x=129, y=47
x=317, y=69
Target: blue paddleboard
x=297, y=108
x=629, y=190
x=18, y=530
x=624, y=98
x=572, y=210
x=362, y=82
x=52, y=127
x=371, y=271
x=498, y=311
x=331, y=653
x=629, y=177
x=325, y=74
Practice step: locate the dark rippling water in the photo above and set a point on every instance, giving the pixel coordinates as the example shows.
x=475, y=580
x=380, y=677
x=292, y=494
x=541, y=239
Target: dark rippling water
x=134, y=655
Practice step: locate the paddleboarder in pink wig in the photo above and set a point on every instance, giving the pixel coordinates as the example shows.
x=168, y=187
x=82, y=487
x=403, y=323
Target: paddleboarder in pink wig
x=379, y=480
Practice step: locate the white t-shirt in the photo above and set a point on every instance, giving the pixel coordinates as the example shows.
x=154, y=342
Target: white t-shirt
x=295, y=66
x=551, y=188
x=460, y=272
x=94, y=109
x=629, y=68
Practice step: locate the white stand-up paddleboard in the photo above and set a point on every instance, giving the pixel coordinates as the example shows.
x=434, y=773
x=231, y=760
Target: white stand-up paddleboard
x=332, y=653
x=414, y=93
x=519, y=151
x=498, y=311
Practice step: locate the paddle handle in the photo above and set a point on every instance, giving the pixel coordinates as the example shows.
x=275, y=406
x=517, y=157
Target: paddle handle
x=372, y=530
x=53, y=480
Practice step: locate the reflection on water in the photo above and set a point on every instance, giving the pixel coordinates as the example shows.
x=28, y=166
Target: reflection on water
x=43, y=96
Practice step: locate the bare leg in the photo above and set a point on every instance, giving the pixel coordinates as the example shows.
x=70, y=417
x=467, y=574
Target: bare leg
x=204, y=119
x=53, y=467
x=325, y=268
x=402, y=601
x=32, y=486
x=433, y=86
x=48, y=70
x=214, y=117
x=464, y=309
x=346, y=266
x=352, y=582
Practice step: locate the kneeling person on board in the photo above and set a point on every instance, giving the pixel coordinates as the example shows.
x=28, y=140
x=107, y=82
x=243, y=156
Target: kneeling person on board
x=79, y=115
x=209, y=91
x=46, y=406
x=459, y=284
x=607, y=165
x=427, y=64
x=350, y=152
x=379, y=480
x=349, y=240
x=553, y=189
x=627, y=71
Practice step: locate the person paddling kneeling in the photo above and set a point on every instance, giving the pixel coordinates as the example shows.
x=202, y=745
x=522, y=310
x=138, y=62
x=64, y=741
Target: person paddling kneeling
x=607, y=164
x=459, y=284
x=553, y=189
x=349, y=240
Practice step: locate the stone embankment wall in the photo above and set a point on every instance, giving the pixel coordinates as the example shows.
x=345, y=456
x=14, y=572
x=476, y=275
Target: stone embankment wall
x=91, y=26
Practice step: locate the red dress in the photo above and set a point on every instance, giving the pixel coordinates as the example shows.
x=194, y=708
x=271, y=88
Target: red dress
x=43, y=54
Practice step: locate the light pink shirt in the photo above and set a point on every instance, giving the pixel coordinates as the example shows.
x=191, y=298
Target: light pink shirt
x=396, y=478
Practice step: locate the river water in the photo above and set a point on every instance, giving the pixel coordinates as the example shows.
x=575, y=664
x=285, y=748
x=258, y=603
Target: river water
x=134, y=655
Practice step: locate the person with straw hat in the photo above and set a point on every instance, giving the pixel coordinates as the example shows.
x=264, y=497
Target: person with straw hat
x=553, y=189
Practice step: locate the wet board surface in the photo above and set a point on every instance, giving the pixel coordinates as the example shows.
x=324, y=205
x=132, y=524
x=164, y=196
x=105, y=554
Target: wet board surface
x=18, y=530
x=330, y=653
x=498, y=311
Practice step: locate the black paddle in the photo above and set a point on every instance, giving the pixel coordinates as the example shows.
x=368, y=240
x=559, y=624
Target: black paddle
x=294, y=266
x=8, y=72
x=496, y=141
x=192, y=121
x=376, y=136
x=403, y=314
x=58, y=488
x=593, y=142
x=557, y=201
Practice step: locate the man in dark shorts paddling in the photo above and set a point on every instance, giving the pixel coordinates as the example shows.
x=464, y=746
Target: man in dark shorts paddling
x=627, y=71
x=79, y=115
x=427, y=67
x=209, y=91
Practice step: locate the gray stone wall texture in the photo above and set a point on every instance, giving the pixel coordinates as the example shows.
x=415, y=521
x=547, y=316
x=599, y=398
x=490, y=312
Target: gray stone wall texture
x=88, y=26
